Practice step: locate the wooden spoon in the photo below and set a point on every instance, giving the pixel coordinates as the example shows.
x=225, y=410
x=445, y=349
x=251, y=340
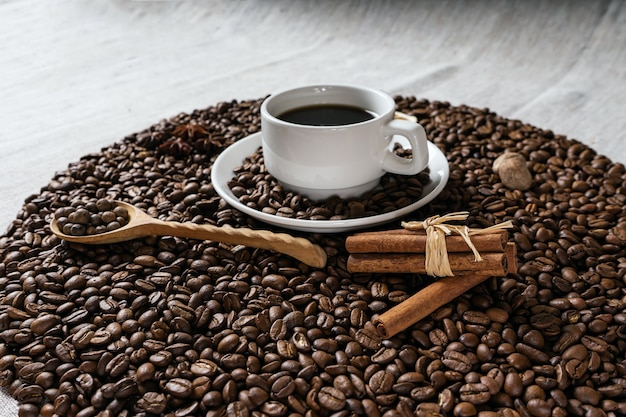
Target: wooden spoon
x=140, y=224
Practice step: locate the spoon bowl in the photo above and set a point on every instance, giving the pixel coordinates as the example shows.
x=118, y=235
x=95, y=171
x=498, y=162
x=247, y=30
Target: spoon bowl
x=141, y=224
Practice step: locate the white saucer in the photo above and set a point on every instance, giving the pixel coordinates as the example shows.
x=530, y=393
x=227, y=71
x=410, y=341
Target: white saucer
x=233, y=156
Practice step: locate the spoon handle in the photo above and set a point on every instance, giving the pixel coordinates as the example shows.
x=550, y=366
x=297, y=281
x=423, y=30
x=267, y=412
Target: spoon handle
x=296, y=247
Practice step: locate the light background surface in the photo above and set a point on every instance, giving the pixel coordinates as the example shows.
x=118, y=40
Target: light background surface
x=76, y=76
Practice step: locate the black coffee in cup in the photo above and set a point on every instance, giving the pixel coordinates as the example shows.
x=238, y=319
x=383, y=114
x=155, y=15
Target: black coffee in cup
x=326, y=115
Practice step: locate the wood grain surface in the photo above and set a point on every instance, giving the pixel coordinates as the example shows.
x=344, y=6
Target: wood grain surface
x=76, y=76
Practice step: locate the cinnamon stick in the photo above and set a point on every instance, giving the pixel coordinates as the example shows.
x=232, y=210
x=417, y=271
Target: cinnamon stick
x=491, y=264
x=511, y=257
x=410, y=241
x=440, y=292
x=424, y=302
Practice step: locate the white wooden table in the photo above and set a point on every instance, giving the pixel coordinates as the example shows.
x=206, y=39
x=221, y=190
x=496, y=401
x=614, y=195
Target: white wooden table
x=76, y=76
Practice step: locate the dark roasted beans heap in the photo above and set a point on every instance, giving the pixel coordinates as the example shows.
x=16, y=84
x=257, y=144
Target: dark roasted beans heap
x=258, y=189
x=92, y=218
x=176, y=327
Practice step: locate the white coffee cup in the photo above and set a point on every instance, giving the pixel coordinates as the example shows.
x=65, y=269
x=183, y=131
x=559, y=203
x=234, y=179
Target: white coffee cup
x=346, y=160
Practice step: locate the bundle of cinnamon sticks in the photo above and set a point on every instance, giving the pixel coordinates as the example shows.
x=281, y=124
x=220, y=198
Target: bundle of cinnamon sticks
x=404, y=251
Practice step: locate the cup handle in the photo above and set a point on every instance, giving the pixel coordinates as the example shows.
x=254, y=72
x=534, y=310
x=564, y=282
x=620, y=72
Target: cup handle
x=415, y=134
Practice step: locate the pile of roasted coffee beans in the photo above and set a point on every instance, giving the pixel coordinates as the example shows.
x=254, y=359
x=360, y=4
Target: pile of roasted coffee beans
x=94, y=217
x=258, y=189
x=164, y=326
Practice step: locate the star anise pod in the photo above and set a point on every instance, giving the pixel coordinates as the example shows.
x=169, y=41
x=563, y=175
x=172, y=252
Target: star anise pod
x=190, y=131
x=176, y=147
x=208, y=143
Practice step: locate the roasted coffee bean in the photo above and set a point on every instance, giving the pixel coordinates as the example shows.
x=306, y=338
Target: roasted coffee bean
x=145, y=372
x=179, y=387
x=275, y=281
x=423, y=393
x=283, y=387
x=457, y=361
x=476, y=317
x=539, y=407
x=475, y=393
x=31, y=371
x=228, y=343
x=465, y=408
x=587, y=395
x=381, y=382
x=513, y=384
x=44, y=323
x=518, y=361
x=30, y=410
x=331, y=398
x=152, y=402
x=125, y=388
x=273, y=408
x=384, y=355
x=62, y=404
x=118, y=365
x=29, y=394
